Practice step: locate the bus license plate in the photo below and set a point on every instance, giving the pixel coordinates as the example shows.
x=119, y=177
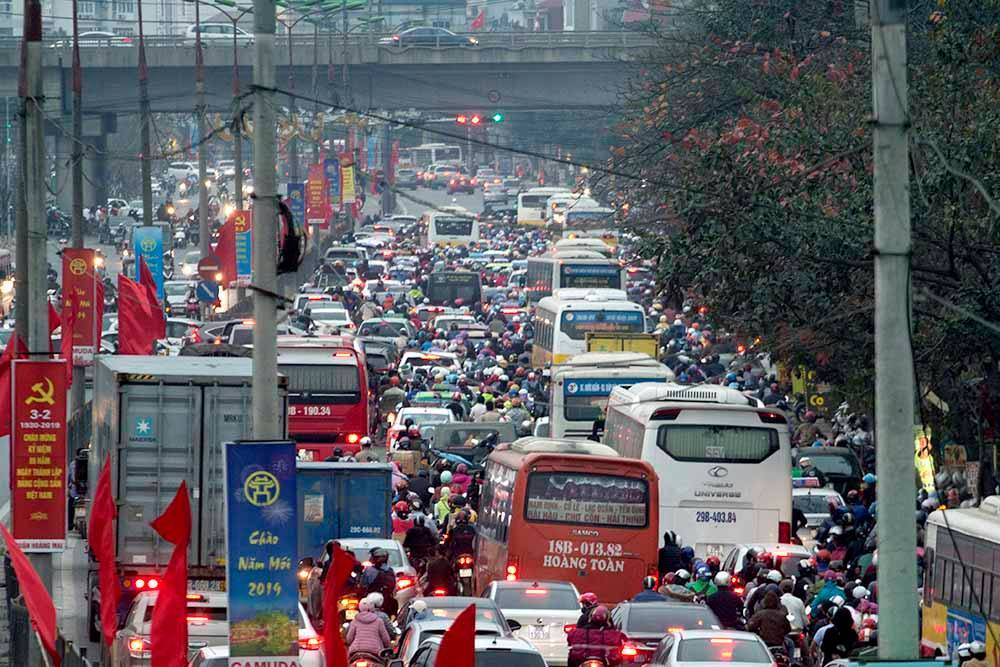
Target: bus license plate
x=465, y=572
x=538, y=632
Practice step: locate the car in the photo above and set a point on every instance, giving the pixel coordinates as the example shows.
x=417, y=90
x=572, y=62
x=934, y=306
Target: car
x=644, y=624
x=93, y=38
x=407, y=178
x=416, y=632
x=438, y=175
x=406, y=574
x=420, y=417
x=227, y=168
x=329, y=319
x=304, y=300
x=815, y=503
x=840, y=465
x=175, y=293
x=462, y=183
x=450, y=606
x=427, y=36
x=180, y=330
x=704, y=647
x=381, y=330
x=217, y=34
x=311, y=653
x=490, y=652
x=207, y=626
x=189, y=265
x=786, y=558
x=544, y=609
x=380, y=357
x=182, y=170
x=414, y=359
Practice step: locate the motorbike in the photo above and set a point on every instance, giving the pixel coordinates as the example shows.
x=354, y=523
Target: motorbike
x=366, y=659
x=191, y=308
x=464, y=570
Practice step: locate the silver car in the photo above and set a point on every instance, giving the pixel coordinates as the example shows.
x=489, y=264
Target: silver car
x=703, y=647
x=433, y=626
x=546, y=610
x=206, y=620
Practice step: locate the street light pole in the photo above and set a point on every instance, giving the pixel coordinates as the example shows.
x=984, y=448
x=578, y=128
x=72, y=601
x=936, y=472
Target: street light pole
x=199, y=86
x=293, y=142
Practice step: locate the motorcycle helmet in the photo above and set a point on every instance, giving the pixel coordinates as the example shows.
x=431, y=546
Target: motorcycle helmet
x=713, y=562
x=859, y=593
x=774, y=576
x=588, y=600
x=446, y=477
x=681, y=577
x=649, y=583
x=599, y=615
x=723, y=579
x=703, y=572
x=402, y=507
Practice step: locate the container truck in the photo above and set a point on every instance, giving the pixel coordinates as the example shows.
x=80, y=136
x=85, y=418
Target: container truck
x=162, y=420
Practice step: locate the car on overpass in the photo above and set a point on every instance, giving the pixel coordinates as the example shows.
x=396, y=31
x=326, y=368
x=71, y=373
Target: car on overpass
x=427, y=36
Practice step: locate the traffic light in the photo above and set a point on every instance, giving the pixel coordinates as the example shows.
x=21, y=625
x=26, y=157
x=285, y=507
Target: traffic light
x=476, y=119
x=497, y=117
x=461, y=119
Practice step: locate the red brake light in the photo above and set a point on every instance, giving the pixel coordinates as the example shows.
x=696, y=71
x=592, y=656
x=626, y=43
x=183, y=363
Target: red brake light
x=721, y=640
x=352, y=438
x=629, y=651
x=311, y=643
x=439, y=592
x=153, y=583
x=569, y=628
x=197, y=618
x=360, y=663
x=395, y=38
x=536, y=591
x=136, y=643
x=402, y=583
x=195, y=597
x=511, y=571
x=671, y=630
x=772, y=417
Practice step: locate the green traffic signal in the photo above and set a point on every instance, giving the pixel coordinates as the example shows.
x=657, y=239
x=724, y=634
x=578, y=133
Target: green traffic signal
x=497, y=117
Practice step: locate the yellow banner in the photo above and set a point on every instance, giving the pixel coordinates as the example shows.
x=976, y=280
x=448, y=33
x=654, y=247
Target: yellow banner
x=347, y=193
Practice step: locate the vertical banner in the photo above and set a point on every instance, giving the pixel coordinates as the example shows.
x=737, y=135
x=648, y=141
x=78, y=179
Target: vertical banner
x=262, y=540
x=243, y=228
x=297, y=202
x=374, y=155
x=147, y=243
x=316, y=192
x=347, y=194
x=393, y=162
x=331, y=169
x=79, y=275
x=38, y=446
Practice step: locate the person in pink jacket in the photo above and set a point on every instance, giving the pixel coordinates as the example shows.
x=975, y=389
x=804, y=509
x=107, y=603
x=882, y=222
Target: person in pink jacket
x=367, y=633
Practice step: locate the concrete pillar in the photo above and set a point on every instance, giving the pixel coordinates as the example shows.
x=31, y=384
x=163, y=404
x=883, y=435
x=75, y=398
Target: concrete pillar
x=95, y=173
x=62, y=150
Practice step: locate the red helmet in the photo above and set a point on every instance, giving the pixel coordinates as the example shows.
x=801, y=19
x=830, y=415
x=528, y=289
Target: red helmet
x=394, y=380
x=588, y=600
x=600, y=614
x=713, y=562
x=766, y=559
x=823, y=555
x=401, y=507
x=413, y=432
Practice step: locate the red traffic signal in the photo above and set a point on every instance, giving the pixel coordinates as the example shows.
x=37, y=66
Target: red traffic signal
x=476, y=119
x=462, y=119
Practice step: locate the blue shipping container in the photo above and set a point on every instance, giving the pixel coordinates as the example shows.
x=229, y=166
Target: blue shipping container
x=342, y=500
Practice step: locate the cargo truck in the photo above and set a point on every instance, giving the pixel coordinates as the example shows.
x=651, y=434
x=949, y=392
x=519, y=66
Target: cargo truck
x=642, y=343
x=163, y=420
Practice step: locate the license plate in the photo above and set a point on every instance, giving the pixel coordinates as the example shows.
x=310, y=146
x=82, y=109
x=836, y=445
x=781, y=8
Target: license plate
x=350, y=614
x=716, y=550
x=207, y=584
x=538, y=632
x=465, y=572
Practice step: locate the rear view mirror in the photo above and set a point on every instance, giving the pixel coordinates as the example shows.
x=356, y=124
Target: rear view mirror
x=513, y=625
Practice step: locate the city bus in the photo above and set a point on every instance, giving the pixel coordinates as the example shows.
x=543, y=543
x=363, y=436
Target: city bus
x=563, y=321
x=328, y=394
x=566, y=510
x=961, y=592
x=571, y=268
x=579, y=388
x=449, y=229
x=576, y=244
x=420, y=157
x=725, y=455
x=531, y=203
x=590, y=222
x=447, y=287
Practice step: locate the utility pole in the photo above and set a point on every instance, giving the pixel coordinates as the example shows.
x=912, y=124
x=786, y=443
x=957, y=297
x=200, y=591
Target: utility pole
x=204, y=235
x=347, y=82
x=266, y=421
x=144, y=123
x=237, y=124
x=32, y=227
x=293, y=142
x=388, y=195
x=76, y=392
x=894, y=379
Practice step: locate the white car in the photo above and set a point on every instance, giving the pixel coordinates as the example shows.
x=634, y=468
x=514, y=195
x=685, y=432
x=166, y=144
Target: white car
x=421, y=417
x=311, y=652
x=182, y=170
x=417, y=631
x=415, y=359
x=406, y=574
x=175, y=293
x=330, y=320
x=217, y=34
x=227, y=168
x=491, y=651
x=189, y=266
x=303, y=301
x=815, y=503
x=207, y=626
x=704, y=647
x=544, y=609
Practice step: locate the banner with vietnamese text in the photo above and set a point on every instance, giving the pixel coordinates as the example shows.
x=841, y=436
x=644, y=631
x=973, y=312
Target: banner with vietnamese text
x=80, y=313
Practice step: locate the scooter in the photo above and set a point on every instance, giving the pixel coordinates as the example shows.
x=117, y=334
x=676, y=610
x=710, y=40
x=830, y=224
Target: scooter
x=463, y=568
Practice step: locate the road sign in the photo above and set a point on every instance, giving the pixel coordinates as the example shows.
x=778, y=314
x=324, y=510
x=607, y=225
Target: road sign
x=209, y=266
x=207, y=291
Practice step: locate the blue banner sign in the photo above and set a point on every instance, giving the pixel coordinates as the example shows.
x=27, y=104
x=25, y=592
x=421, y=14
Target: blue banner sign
x=598, y=386
x=331, y=167
x=147, y=243
x=243, y=227
x=262, y=539
x=374, y=155
x=297, y=202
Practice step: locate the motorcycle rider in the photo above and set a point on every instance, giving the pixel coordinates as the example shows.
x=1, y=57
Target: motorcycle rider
x=380, y=578
x=461, y=537
x=702, y=586
x=770, y=622
x=596, y=639
x=419, y=541
x=440, y=573
x=367, y=633
x=649, y=592
x=588, y=602
x=726, y=604
x=669, y=556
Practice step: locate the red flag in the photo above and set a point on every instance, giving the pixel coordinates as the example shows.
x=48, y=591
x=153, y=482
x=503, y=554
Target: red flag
x=155, y=307
x=168, y=635
x=225, y=250
x=479, y=21
x=336, y=577
x=136, y=323
x=14, y=349
x=41, y=610
x=458, y=646
x=101, y=538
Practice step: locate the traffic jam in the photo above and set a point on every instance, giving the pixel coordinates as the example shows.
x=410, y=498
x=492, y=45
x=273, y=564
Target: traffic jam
x=498, y=426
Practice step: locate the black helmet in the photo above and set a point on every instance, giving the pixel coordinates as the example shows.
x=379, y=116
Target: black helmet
x=649, y=583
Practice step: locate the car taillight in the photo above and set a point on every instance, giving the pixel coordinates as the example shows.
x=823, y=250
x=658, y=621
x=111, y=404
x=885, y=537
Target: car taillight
x=512, y=569
x=402, y=583
x=569, y=628
x=139, y=647
x=465, y=560
x=352, y=438
x=197, y=618
x=439, y=592
x=629, y=651
x=592, y=663
x=311, y=643
x=784, y=532
x=360, y=663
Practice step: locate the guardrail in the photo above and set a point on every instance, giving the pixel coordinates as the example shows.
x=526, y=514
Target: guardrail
x=486, y=40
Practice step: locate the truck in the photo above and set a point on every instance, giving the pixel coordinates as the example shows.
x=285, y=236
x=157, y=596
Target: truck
x=163, y=420
x=340, y=501
x=644, y=343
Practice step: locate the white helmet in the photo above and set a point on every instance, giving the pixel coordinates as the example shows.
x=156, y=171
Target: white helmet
x=774, y=576
x=683, y=575
x=838, y=601
x=376, y=599
x=723, y=579
x=859, y=592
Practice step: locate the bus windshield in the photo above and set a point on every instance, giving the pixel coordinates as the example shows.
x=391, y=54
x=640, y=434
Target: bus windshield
x=576, y=323
x=452, y=226
x=448, y=287
x=591, y=276
x=583, y=498
x=534, y=201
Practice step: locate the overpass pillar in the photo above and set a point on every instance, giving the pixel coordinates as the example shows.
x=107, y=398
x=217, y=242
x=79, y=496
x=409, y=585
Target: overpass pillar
x=95, y=172
x=62, y=185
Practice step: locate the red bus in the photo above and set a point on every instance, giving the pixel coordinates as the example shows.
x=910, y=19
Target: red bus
x=568, y=510
x=329, y=400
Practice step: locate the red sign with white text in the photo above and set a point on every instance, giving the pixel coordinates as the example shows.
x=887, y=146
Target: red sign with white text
x=38, y=461
x=317, y=194
x=79, y=312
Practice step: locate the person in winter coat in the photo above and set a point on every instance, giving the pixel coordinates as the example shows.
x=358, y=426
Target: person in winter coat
x=461, y=477
x=770, y=622
x=367, y=633
x=442, y=508
x=597, y=639
x=839, y=640
x=727, y=605
x=669, y=557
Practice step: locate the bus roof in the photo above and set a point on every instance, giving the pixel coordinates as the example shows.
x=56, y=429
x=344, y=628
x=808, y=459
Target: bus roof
x=533, y=445
x=317, y=356
x=575, y=251
x=982, y=522
x=596, y=294
x=642, y=399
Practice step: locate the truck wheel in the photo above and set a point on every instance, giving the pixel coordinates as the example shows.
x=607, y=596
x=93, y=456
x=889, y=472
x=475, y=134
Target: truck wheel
x=95, y=634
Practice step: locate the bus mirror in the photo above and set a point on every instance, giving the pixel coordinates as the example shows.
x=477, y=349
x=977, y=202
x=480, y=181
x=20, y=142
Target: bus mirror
x=513, y=625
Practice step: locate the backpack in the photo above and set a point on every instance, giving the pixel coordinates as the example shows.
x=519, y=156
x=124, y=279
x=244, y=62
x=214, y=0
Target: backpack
x=385, y=583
